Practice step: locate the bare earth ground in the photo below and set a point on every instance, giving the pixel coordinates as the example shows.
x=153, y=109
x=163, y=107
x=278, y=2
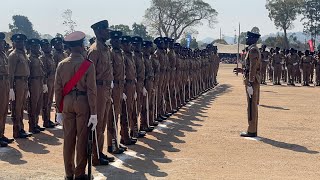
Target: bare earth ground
x=201, y=141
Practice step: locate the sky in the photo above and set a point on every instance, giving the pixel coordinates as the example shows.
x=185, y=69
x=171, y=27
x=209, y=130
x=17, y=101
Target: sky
x=46, y=15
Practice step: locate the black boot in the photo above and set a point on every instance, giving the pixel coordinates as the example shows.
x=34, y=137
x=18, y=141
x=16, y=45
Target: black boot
x=248, y=134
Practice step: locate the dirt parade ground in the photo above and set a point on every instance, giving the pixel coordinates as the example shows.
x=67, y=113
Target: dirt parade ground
x=201, y=141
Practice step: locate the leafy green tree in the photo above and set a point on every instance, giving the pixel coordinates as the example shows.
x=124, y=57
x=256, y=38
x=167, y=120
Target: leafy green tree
x=311, y=17
x=68, y=22
x=141, y=30
x=172, y=18
x=21, y=24
x=125, y=29
x=283, y=13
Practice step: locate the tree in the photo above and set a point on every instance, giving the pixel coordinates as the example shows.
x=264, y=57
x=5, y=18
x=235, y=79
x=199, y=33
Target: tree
x=141, y=30
x=279, y=41
x=172, y=18
x=193, y=43
x=21, y=24
x=68, y=22
x=283, y=13
x=46, y=36
x=220, y=41
x=311, y=16
x=125, y=29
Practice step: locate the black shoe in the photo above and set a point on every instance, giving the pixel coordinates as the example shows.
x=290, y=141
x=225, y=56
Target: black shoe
x=129, y=142
x=163, y=117
x=248, y=134
x=82, y=177
x=167, y=115
x=5, y=139
x=22, y=135
x=159, y=119
x=103, y=156
x=35, y=131
x=116, y=151
x=3, y=143
x=123, y=147
x=68, y=178
x=147, y=129
x=141, y=134
x=27, y=133
x=155, y=123
x=40, y=128
x=49, y=125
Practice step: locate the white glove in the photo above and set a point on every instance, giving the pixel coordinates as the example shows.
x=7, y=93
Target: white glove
x=45, y=88
x=112, y=85
x=94, y=121
x=28, y=94
x=144, y=91
x=12, y=95
x=250, y=91
x=59, y=118
x=295, y=64
x=272, y=67
x=135, y=95
x=124, y=96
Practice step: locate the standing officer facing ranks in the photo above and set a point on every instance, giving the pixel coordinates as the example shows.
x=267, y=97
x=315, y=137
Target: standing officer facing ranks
x=4, y=95
x=77, y=108
x=252, y=83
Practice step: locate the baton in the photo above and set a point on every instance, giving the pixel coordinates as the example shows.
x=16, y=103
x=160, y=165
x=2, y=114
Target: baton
x=89, y=153
x=169, y=97
x=148, y=120
x=115, y=124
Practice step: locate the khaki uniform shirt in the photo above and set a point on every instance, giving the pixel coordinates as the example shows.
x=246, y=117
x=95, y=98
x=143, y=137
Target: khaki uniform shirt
x=18, y=65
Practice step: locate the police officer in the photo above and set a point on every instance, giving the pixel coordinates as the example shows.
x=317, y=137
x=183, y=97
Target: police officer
x=127, y=123
x=216, y=64
x=306, y=64
x=252, y=83
x=19, y=73
x=50, y=71
x=117, y=92
x=37, y=86
x=99, y=53
x=58, y=53
x=264, y=64
x=317, y=67
x=277, y=66
x=4, y=95
x=79, y=106
x=291, y=64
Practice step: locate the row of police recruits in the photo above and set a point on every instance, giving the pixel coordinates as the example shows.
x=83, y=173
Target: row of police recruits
x=290, y=66
x=130, y=80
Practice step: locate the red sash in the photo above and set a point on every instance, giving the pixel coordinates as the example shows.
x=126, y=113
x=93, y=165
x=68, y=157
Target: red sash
x=74, y=80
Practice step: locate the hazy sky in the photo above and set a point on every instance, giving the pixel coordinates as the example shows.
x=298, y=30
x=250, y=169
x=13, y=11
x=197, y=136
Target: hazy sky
x=46, y=15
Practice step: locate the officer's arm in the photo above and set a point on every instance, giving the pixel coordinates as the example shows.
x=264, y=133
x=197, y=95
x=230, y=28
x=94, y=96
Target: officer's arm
x=58, y=87
x=12, y=61
x=92, y=89
x=93, y=55
x=254, y=62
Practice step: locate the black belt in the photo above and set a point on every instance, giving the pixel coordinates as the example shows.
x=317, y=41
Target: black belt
x=129, y=81
x=4, y=77
x=36, y=77
x=21, y=77
x=78, y=93
x=118, y=81
x=103, y=83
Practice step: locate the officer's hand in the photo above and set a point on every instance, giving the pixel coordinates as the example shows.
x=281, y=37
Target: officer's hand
x=59, y=118
x=45, y=88
x=124, y=96
x=112, y=85
x=144, y=91
x=93, y=121
x=28, y=94
x=135, y=95
x=250, y=91
x=12, y=95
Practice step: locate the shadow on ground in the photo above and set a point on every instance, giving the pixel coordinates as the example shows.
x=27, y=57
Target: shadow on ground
x=288, y=146
x=143, y=161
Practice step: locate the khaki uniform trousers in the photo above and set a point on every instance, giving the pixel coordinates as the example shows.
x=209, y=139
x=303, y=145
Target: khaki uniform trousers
x=4, y=96
x=35, y=101
x=20, y=90
x=75, y=132
x=253, y=115
x=47, y=101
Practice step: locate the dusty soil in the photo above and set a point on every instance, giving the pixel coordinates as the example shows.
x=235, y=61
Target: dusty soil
x=201, y=141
